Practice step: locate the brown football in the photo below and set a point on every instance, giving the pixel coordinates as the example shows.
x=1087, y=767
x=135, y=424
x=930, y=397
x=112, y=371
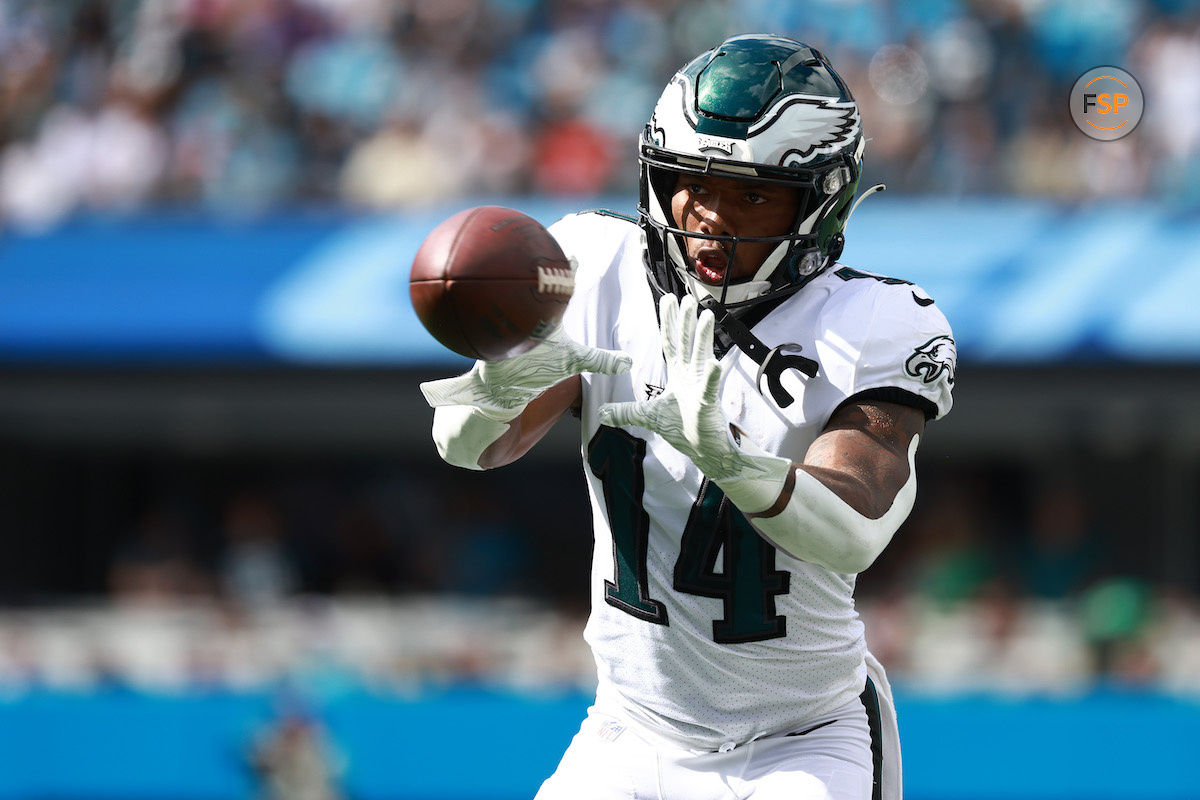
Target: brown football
x=490, y=283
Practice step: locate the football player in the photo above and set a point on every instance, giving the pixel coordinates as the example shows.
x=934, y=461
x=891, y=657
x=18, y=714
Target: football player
x=750, y=409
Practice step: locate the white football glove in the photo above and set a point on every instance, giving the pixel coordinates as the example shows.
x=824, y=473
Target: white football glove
x=500, y=390
x=688, y=413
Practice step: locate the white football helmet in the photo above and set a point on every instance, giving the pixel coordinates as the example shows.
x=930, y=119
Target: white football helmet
x=759, y=107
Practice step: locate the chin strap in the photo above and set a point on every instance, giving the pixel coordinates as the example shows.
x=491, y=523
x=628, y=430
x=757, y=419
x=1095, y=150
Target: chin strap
x=771, y=361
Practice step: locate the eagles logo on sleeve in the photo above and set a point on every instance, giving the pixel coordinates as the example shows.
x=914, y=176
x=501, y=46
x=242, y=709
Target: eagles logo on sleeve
x=928, y=362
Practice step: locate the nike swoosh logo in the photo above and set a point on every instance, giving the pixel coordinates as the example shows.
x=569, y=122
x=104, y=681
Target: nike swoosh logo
x=922, y=301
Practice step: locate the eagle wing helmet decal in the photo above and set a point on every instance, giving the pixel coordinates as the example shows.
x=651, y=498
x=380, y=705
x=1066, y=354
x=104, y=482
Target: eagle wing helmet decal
x=823, y=125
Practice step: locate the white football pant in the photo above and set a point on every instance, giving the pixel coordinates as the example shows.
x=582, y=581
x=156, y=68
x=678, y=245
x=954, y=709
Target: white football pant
x=850, y=754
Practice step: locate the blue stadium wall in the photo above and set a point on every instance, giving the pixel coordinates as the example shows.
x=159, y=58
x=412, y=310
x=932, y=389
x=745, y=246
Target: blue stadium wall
x=481, y=744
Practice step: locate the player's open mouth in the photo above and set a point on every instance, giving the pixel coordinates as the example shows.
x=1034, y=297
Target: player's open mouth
x=710, y=265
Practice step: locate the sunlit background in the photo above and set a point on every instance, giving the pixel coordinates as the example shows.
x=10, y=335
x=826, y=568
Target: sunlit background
x=231, y=564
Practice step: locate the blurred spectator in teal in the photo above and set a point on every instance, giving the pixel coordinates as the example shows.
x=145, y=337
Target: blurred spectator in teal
x=954, y=562
x=1058, y=556
x=1116, y=615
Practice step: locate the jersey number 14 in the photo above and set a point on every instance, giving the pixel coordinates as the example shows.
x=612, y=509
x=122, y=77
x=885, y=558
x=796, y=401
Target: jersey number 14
x=748, y=581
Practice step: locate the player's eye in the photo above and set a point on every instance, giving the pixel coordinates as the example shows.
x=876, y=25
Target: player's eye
x=756, y=199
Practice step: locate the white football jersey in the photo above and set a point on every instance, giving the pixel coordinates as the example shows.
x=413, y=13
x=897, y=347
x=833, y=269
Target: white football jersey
x=702, y=631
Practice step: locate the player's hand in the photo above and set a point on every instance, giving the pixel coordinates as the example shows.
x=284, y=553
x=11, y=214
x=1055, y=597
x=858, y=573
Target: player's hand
x=688, y=413
x=500, y=390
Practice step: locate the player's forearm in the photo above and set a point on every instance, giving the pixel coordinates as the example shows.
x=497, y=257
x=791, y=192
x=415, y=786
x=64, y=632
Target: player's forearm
x=470, y=440
x=810, y=519
x=852, y=491
x=466, y=438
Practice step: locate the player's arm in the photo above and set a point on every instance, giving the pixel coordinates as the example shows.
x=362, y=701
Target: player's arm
x=861, y=456
x=535, y=422
x=493, y=414
x=838, y=509
x=841, y=507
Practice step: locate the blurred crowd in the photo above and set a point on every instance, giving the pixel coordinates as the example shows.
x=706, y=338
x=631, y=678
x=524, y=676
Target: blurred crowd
x=244, y=105
x=1120, y=634
x=400, y=575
